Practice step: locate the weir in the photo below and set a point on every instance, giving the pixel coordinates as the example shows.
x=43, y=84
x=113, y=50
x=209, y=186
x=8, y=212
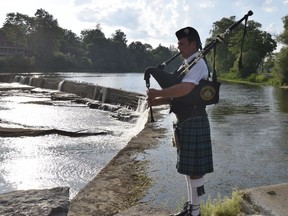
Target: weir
x=131, y=100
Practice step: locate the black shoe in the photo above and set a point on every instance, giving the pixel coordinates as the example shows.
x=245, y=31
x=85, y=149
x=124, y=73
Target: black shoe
x=185, y=211
x=190, y=214
x=190, y=209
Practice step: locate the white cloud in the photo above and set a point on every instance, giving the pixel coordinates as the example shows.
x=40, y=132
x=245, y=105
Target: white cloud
x=269, y=7
x=150, y=21
x=207, y=4
x=272, y=29
x=82, y=2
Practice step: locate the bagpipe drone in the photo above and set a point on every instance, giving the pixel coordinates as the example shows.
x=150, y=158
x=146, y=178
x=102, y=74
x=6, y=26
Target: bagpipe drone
x=207, y=91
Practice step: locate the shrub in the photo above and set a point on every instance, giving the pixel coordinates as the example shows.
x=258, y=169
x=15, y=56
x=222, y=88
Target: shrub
x=223, y=207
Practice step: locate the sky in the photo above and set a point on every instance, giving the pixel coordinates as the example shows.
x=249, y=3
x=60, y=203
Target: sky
x=151, y=21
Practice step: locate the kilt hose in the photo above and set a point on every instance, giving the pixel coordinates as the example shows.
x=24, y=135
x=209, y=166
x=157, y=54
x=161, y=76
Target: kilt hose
x=194, y=155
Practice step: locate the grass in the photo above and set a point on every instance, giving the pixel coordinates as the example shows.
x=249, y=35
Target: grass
x=256, y=79
x=223, y=206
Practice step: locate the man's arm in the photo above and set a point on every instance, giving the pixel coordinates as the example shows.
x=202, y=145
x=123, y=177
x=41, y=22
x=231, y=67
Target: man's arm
x=163, y=96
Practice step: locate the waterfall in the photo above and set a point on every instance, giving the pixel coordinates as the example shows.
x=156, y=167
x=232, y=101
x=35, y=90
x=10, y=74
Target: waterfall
x=139, y=125
x=16, y=78
x=142, y=105
x=95, y=92
x=60, y=84
x=104, y=92
x=30, y=81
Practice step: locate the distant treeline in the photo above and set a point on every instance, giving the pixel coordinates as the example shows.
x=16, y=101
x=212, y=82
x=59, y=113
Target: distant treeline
x=48, y=47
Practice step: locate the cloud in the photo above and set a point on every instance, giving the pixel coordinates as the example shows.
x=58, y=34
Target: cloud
x=157, y=20
x=120, y=17
x=272, y=29
x=82, y=2
x=149, y=20
x=269, y=7
x=123, y=17
x=207, y=4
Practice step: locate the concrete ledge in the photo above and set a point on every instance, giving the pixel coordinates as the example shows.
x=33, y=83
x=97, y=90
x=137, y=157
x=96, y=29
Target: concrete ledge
x=270, y=200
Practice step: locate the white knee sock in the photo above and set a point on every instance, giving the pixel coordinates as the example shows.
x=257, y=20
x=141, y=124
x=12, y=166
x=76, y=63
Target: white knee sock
x=196, y=200
x=189, y=189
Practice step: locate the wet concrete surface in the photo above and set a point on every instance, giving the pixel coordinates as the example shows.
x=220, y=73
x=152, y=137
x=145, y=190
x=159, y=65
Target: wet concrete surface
x=270, y=200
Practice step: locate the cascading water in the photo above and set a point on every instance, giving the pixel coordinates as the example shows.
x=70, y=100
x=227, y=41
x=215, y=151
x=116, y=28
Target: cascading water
x=60, y=84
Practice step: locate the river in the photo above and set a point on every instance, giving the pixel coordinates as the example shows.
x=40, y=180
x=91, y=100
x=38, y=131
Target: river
x=249, y=136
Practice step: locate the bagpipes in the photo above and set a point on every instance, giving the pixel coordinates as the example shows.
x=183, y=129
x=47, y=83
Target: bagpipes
x=207, y=91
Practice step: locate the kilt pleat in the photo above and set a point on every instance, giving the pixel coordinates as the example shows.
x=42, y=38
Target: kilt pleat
x=194, y=155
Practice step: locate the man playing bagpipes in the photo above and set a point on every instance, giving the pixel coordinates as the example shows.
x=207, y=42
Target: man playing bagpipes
x=192, y=130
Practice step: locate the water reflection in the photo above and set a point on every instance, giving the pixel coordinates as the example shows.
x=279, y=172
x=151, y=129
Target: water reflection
x=52, y=161
x=246, y=99
x=281, y=99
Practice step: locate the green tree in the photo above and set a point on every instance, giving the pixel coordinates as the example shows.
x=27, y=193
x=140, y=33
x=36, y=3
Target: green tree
x=257, y=45
x=224, y=59
x=268, y=64
x=70, y=44
x=280, y=69
x=74, y=55
x=43, y=39
x=17, y=28
x=283, y=37
x=140, y=57
x=98, y=49
x=162, y=54
x=119, y=52
x=48, y=47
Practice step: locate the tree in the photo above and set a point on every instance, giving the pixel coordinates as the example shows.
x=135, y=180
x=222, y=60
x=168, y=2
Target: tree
x=43, y=39
x=257, y=45
x=140, y=57
x=120, y=38
x=280, y=69
x=48, y=47
x=98, y=48
x=224, y=60
x=17, y=28
x=119, y=52
x=70, y=44
x=283, y=37
x=162, y=54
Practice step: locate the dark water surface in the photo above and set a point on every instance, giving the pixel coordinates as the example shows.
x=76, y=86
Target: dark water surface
x=249, y=135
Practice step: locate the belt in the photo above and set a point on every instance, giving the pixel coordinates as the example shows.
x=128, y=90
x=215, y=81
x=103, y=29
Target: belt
x=195, y=112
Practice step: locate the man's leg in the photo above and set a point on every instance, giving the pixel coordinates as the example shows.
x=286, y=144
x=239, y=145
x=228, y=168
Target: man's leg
x=197, y=185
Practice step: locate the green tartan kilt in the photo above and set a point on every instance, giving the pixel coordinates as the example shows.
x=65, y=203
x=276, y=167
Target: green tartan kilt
x=194, y=155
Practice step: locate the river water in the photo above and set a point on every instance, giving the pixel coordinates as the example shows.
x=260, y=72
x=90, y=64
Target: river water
x=249, y=136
